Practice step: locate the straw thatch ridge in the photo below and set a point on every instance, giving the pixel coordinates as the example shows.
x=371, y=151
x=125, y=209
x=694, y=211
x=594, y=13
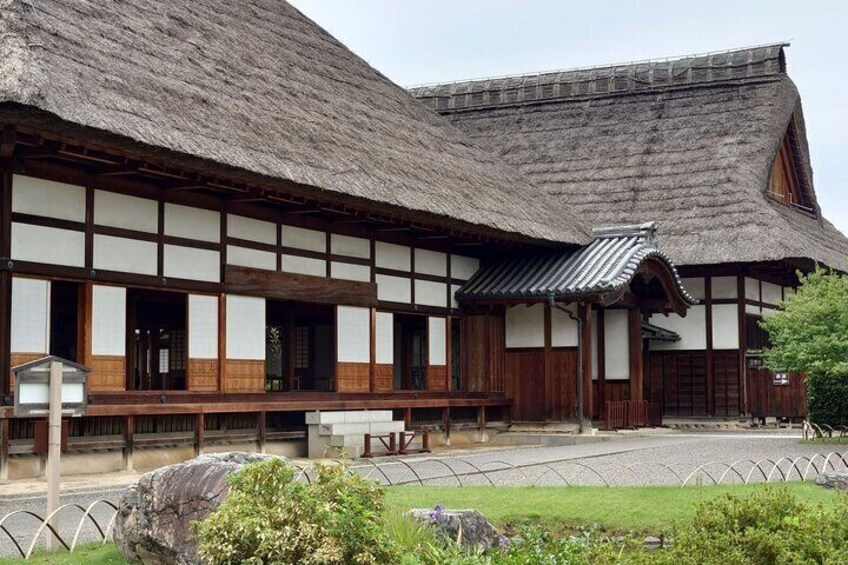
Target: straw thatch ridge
x=694, y=155
x=256, y=86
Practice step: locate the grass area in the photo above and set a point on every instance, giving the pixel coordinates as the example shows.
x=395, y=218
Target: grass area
x=90, y=554
x=825, y=441
x=641, y=509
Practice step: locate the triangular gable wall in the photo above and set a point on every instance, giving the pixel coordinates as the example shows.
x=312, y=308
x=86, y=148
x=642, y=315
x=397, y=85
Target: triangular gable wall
x=787, y=182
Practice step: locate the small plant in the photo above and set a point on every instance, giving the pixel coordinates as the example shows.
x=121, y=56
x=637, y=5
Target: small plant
x=270, y=517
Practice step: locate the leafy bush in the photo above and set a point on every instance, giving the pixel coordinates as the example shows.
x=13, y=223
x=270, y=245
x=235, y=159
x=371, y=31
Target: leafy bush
x=269, y=517
x=768, y=527
x=826, y=399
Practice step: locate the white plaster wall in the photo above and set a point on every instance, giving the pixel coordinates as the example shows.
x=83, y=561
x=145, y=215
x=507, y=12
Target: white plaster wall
x=192, y=263
x=725, y=326
x=109, y=320
x=752, y=289
x=125, y=255
x=385, y=338
x=394, y=289
x=192, y=223
x=772, y=293
x=247, y=257
x=525, y=326
x=350, y=246
x=751, y=309
x=54, y=246
x=437, y=340
x=563, y=328
x=303, y=238
x=127, y=212
x=695, y=287
x=245, y=317
x=48, y=198
x=251, y=229
x=354, y=334
x=429, y=293
x=431, y=262
x=391, y=256
x=463, y=268
x=304, y=265
x=454, y=302
x=202, y=326
x=350, y=272
x=30, y=315
x=616, y=345
x=724, y=287
x=692, y=329
x=768, y=312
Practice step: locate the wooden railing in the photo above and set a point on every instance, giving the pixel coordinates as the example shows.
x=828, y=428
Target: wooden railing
x=623, y=414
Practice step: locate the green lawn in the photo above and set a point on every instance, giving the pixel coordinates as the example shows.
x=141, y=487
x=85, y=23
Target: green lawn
x=639, y=509
x=643, y=509
x=825, y=441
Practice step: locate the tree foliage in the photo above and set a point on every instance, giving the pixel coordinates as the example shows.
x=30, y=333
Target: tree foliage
x=809, y=332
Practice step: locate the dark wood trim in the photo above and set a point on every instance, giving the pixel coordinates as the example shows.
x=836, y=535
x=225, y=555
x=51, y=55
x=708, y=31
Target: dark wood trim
x=634, y=323
x=222, y=340
x=248, y=244
x=303, y=288
x=584, y=312
x=708, y=309
x=404, y=308
x=33, y=220
x=193, y=243
x=743, y=384
x=261, y=427
x=548, y=363
x=372, y=350
x=602, y=361
x=129, y=440
x=89, y=227
x=303, y=253
x=124, y=233
x=199, y=433
x=160, y=237
x=5, y=294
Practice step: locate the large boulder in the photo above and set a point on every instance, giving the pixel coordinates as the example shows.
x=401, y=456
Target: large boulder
x=469, y=527
x=154, y=513
x=833, y=479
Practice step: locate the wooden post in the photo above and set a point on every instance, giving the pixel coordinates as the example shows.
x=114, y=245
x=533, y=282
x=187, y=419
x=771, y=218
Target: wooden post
x=54, y=448
x=129, y=435
x=446, y=424
x=261, y=424
x=407, y=418
x=222, y=341
x=5, y=280
x=199, y=433
x=708, y=307
x=585, y=314
x=602, y=369
x=4, y=449
x=372, y=356
x=636, y=366
x=548, y=364
x=743, y=342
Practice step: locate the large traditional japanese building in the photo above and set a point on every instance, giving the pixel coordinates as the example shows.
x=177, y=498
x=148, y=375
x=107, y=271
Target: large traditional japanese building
x=713, y=148
x=232, y=220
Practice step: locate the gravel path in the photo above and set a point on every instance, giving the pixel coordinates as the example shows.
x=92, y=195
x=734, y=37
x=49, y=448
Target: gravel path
x=658, y=460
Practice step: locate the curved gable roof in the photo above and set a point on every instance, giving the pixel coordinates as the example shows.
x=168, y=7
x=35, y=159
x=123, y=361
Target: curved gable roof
x=688, y=143
x=257, y=86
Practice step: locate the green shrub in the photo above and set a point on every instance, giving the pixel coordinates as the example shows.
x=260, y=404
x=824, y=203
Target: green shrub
x=270, y=517
x=768, y=527
x=826, y=399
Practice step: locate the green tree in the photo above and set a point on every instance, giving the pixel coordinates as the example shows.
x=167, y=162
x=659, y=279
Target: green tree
x=809, y=332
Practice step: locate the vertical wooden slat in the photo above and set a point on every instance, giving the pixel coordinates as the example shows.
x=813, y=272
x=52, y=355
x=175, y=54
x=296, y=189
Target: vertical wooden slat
x=5, y=278
x=372, y=355
x=222, y=341
x=548, y=364
x=585, y=314
x=743, y=379
x=602, y=387
x=129, y=435
x=636, y=366
x=708, y=306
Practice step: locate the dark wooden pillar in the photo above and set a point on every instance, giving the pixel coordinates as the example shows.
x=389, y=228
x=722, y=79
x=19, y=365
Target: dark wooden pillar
x=5, y=277
x=743, y=378
x=584, y=312
x=548, y=364
x=261, y=427
x=4, y=449
x=637, y=380
x=372, y=355
x=199, y=433
x=129, y=434
x=708, y=307
x=602, y=365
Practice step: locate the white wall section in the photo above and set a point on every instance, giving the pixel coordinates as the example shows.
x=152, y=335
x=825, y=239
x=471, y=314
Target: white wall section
x=525, y=326
x=252, y=230
x=304, y=265
x=202, y=326
x=463, y=268
x=695, y=287
x=350, y=272
x=394, y=289
x=350, y=246
x=247, y=257
x=616, y=345
x=752, y=289
x=54, y=246
x=302, y=238
x=109, y=320
x=245, y=327
x=192, y=223
x=41, y=197
x=353, y=328
x=563, y=328
x=692, y=329
x=125, y=255
x=724, y=287
x=391, y=256
x=431, y=262
x=127, y=212
x=725, y=326
x=30, y=315
x=192, y=263
x=437, y=340
x=772, y=293
x=429, y=293
x=385, y=338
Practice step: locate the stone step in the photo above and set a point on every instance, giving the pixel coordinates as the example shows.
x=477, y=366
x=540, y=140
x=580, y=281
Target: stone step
x=360, y=429
x=349, y=417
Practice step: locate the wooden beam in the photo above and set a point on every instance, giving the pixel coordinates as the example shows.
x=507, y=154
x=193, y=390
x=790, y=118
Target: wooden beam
x=584, y=311
x=302, y=288
x=636, y=366
x=7, y=141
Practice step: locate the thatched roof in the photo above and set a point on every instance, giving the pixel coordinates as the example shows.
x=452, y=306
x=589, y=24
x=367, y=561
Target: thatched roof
x=257, y=86
x=688, y=143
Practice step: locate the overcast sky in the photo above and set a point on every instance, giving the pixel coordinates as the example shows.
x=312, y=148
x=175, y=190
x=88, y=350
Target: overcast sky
x=441, y=40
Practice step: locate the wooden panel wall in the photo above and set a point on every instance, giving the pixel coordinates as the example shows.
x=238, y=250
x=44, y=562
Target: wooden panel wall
x=437, y=377
x=484, y=353
x=245, y=375
x=614, y=391
x=353, y=377
x=383, y=377
x=16, y=359
x=525, y=373
x=683, y=375
x=726, y=383
x=203, y=375
x=563, y=404
x=765, y=399
x=108, y=373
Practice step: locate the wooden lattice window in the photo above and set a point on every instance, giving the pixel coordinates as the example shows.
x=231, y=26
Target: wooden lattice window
x=301, y=347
